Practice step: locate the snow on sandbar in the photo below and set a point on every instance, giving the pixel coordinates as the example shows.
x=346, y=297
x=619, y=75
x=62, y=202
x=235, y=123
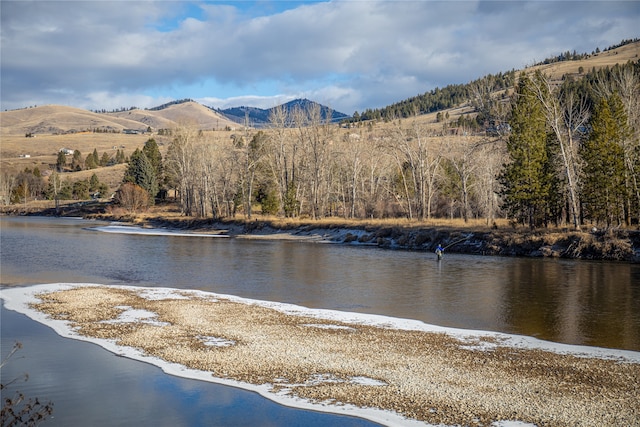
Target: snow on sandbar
x=215, y=341
x=322, y=326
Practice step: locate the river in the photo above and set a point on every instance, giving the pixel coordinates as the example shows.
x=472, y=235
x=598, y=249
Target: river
x=575, y=302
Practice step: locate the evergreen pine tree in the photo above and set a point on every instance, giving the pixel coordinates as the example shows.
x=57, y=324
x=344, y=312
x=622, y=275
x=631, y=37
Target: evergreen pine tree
x=526, y=179
x=76, y=162
x=631, y=160
x=104, y=160
x=152, y=152
x=604, y=171
x=89, y=162
x=61, y=162
x=141, y=172
x=94, y=183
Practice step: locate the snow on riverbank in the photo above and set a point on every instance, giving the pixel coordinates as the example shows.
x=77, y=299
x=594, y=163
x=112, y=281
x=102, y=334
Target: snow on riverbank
x=132, y=229
x=20, y=298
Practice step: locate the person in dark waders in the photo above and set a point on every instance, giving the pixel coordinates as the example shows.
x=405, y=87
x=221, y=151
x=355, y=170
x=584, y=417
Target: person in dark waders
x=439, y=252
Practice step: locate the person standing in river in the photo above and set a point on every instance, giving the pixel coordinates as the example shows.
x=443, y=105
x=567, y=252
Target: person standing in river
x=439, y=252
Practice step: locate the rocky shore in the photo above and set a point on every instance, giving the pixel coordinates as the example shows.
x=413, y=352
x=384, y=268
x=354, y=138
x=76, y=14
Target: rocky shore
x=434, y=377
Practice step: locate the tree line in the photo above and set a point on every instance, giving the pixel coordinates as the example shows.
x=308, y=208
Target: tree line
x=435, y=100
x=574, y=152
x=30, y=184
x=33, y=184
x=92, y=161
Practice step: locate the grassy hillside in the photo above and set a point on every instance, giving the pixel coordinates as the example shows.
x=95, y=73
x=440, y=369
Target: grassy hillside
x=58, y=119
x=455, y=95
x=42, y=152
x=52, y=119
x=55, y=119
x=186, y=113
x=622, y=54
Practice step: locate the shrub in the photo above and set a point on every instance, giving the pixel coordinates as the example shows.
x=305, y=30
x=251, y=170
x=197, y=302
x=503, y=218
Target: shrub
x=132, y=197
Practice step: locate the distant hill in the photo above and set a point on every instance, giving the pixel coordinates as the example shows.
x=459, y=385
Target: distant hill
x=187, y=112
x=59, y=119
x=259, y=117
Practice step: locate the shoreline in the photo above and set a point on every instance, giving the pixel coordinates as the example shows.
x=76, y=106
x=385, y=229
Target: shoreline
x=612, y=245
x=346, y=363
x=619, y=245
x=615, y=244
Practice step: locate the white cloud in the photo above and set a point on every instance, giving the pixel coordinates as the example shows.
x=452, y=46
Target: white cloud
x=350, y=55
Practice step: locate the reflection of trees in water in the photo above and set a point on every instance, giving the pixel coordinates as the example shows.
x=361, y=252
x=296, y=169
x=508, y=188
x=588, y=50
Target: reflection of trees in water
x=574, y=302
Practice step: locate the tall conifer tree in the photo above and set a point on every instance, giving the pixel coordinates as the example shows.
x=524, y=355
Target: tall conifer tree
x=604, y=191
x=526, y=180
x=141, y=172
x=152, y=152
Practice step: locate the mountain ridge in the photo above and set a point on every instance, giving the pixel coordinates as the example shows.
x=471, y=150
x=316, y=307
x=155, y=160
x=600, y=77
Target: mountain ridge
x=260, y=116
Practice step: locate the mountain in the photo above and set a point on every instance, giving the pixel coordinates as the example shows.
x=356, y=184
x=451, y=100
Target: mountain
x=59, y=119
x=56, y=119
x=259, y=117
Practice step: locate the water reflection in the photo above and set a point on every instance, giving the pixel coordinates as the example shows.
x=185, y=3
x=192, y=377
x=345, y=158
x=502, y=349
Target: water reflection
x=91, y=387
x=582, y=303
x=575, y=302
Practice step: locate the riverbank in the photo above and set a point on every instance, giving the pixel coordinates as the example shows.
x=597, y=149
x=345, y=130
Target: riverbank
x=476, y=239
x=611, y=245
x=376, y=367
x=617, y=244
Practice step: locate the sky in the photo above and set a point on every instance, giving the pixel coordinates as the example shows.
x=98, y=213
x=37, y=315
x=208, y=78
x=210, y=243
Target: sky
x=350, y=55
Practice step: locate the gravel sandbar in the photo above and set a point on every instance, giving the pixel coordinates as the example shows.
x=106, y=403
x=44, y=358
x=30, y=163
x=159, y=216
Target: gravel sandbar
x=427, y=376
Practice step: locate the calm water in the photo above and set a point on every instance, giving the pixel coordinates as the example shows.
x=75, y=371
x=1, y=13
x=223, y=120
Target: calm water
x=589, y=303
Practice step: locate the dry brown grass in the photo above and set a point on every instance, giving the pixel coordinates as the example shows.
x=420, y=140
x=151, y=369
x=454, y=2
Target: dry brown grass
x=629, y=52
x=43, y=152
x=18, y=122
x=50, y=119
x=336, y=222
x=43, y=149
x=187, y=112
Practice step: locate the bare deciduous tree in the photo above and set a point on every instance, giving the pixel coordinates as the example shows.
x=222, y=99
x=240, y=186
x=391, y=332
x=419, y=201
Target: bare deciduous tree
x=180, y=165
x=7, y=183
x=315, y=137
x=421, y=154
